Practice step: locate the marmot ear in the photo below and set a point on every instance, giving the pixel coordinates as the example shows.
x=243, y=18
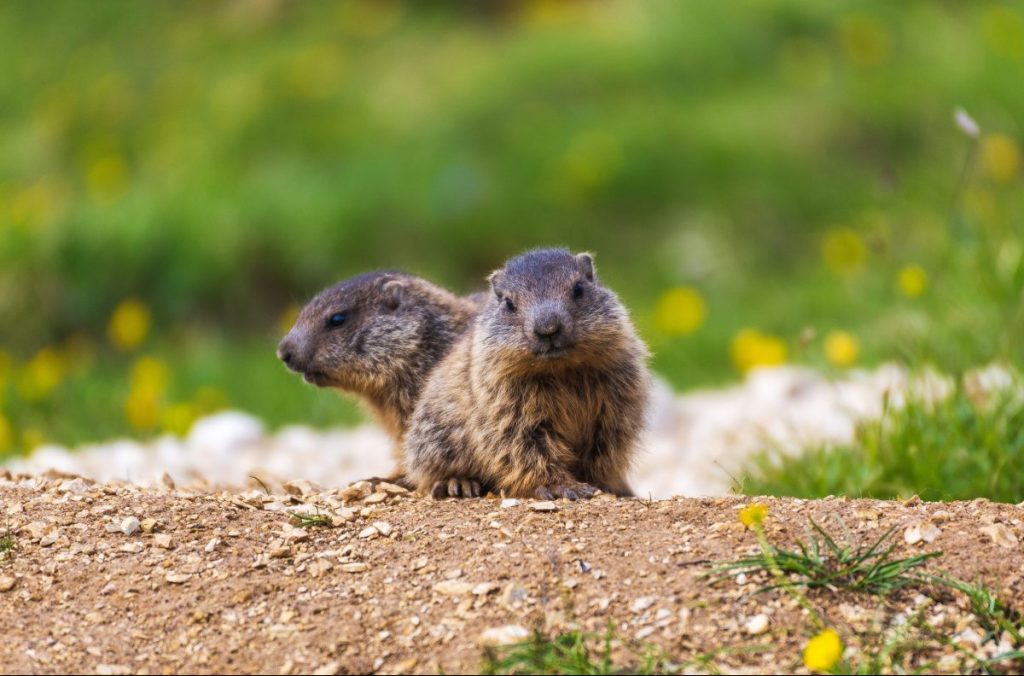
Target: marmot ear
x=393, y=292
x=495, y=279
x=585, y=261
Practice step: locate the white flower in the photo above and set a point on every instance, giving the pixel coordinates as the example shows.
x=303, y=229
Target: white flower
x=966, y=123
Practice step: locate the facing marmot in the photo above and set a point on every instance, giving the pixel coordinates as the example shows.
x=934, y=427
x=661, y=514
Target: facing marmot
x=377, y=336
x=545, y=395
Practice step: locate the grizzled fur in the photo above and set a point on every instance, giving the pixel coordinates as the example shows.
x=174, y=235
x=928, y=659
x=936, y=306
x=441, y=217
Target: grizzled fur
x=545, y=395
x=396, y=328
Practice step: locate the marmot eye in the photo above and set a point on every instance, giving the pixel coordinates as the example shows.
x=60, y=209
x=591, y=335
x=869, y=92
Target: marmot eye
x=336, y=320
x=509, y=305
x=577, y=290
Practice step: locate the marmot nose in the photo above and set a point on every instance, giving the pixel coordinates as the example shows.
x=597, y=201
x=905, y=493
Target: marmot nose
x=548, y=326
x=286, y=353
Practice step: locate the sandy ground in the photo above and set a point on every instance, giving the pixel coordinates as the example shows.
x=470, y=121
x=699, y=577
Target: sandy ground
x=114, y=578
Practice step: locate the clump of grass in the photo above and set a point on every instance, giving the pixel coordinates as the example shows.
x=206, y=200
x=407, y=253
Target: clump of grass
x=311, y=520
x=993, y=615
x=947, y=450
x=565, y=653
x=577, y=652
x=7, y=543
x=823, y=562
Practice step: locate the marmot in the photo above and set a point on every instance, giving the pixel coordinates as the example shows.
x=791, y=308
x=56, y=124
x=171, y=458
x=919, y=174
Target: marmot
x=377, y=336
x=545, y=394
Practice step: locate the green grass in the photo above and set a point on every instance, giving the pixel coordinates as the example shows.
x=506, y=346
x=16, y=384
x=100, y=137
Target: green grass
x=311, y=520
x=7, y=544
x=823, y=562
x=953, y=449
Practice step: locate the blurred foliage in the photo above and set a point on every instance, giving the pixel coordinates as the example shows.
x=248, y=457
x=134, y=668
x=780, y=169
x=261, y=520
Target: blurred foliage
x=761, y=181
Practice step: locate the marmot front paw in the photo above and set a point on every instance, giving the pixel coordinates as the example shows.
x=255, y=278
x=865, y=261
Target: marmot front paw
x=457, y=488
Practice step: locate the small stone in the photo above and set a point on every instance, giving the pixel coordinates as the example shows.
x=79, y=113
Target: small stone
x=302, y=488
x=132, y=547
x=178, y=578
x=37, y=529
x=918, y=532
x=454, y=587
x=506, y=635
x=543, y=506
x=353, y=567
x=211, y=545
x=1001, y=535
x=342, y=517
x=356, y=491
x=148, y=525
x=509, y=502
x=162, y=540
x=383, y=527
x=130, y=526
x=280, y=552
x=368, y=533
x=109, y=589
x=6, y=583
x=453, y=574
x=642, y=603
x=757, y=625
x=48, y=539
x=513, y=593
x=420, y=563
x=375, y=498
x=391, y=489
x=485, y=588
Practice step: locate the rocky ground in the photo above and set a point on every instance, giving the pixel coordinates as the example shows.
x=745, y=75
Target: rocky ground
x=115, y=578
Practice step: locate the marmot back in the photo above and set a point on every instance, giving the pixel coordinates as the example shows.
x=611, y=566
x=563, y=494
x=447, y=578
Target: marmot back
x=377, y=336
x=544, y=396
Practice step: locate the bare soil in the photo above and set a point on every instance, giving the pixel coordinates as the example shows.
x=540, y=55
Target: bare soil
x=212, y=581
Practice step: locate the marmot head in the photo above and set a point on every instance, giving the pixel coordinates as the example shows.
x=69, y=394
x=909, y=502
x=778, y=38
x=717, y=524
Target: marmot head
x=355, y=334
x=547, y=304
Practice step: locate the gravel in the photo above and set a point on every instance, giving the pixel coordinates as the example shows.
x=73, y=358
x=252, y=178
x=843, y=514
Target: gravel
x=694, y=442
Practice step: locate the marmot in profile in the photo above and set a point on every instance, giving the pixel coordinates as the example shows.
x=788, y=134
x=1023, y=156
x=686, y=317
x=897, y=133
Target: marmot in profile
x=378, y=336
x=545, y=395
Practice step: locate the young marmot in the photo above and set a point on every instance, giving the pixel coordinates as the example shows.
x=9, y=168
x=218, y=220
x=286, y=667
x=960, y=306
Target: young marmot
x=545, y=395
x=377, y=336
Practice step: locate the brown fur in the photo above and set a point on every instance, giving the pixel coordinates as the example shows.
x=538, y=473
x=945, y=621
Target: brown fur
x=524, y=409
x=396, y=329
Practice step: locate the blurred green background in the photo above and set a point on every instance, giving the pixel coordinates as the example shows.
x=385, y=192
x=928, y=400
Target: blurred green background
x=762, y=181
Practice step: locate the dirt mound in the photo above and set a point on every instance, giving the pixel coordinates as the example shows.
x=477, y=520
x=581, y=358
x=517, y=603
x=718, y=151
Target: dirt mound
x=112, y=578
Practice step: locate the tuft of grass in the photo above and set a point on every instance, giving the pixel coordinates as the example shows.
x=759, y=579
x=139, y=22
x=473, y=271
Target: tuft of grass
x=311, y=520
x=993, y=615
x=7, y=543
x=823, y=562
x=953, y=449
x=577, y=652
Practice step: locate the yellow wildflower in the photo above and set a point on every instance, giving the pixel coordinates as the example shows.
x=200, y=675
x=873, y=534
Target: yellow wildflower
x=841, y=348
x=823, y=651
x=1000, y=157
x=129, y=324
x=6, y=434
x=178, y=418
x=843, y=251
x=680, y=311
x=913, y=280
x=753, y=514
x=149, y=374
x=41, y=375
x=142, y=409
x=751, y=348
